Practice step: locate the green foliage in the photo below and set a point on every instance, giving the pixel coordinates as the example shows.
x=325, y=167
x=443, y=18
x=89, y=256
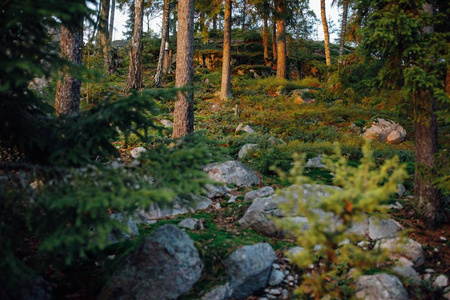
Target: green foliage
x=364, y=188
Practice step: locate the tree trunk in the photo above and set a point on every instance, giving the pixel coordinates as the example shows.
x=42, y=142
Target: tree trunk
x=325, y=32
x=426, y=146
x=225, y=91
x=215, y=22
x=244, y=14
x=343, y=30
x=111, y=21
x=447, y=80
x=67, y=99
x=281, y=40
x=104, y=35
x=274, y=38
x=266, y=39
x=184, y=77
x=164, y=39
x=134, y=70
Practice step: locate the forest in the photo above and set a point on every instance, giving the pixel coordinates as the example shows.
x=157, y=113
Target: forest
x=232, y=151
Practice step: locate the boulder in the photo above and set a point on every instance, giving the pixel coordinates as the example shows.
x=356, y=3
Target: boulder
x=262, y=192
x=406, y=272
x=246, y=149
x=380, y=287
x=232, y=172
x=385, y=131
x=222, y=292
x=383, y=228
x=189, y=223
x=315, y=162
x=249, y=268
x=136, y=152
x=132, y=229
x=178, y=207
x=165, y=266
x=276, y=277
x=166, y=123
x=259, y=215
x=399, y=247
x=440, y=282
x=245, y=128
x=216, y=191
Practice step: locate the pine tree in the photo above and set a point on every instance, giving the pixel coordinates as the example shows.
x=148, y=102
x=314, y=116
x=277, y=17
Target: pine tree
x=225, y=91
x=184, y=77
x=135, y=69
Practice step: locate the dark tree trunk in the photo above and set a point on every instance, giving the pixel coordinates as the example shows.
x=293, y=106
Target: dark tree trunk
x=135, y=69
x=343, y=30
x=244, y=14
x=215, y=23
x=274, y=38
x=325, y=32
x=184, y=77
x=225, y=91
x=426, y=146
x=266, y=38
x=164, y=43
x=281, y=40
x=67, y=99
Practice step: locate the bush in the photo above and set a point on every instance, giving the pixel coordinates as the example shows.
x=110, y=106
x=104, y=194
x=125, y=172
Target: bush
x=364, y=188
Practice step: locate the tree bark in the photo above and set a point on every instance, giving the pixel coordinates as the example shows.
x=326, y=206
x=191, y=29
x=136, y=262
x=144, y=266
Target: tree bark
x=325, y=32
x=274, y=38
x=164, y=40
x=281, y=40
x=225, y=91
x=426, y=146
x=67, y=99
x=184, y=77
x=104, y=36
x=343, y=30
x=135, y=69
x=266, y=38
x=111, y=20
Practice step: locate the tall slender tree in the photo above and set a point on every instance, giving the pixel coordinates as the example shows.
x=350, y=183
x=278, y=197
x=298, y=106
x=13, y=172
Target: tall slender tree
x=345, y=4
x=225, y=91
x=104, y=35
x=164, y=43
x=135, y=69
x=325, y=32
x=281, y=39
x=67, y=98
x=184, y=77
x=111, y=19
x=274, y=35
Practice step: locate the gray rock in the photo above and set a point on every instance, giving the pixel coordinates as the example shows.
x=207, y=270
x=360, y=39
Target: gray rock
x=401, y=189
x=262, y=192
x=232, y=199
x=380, y=287
x=33, y=288
x=141, y=217
x=166, y=123
x=222, y=292
x=440, y=282
x=137, y=152
x=259, y=216
x=131, y=228
x=249, y=268
x=294, y=251
x=165, y=266
x=189, y=223
x=38, y=84
x=276, y=277
x=407, y=248
x=179, y=207
x=216, y=191
x=232, y=172
x=383, y=228
x=385, y=131
x=315, y=162
x=406, y=272
x=246, y=149
x=245, y=128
